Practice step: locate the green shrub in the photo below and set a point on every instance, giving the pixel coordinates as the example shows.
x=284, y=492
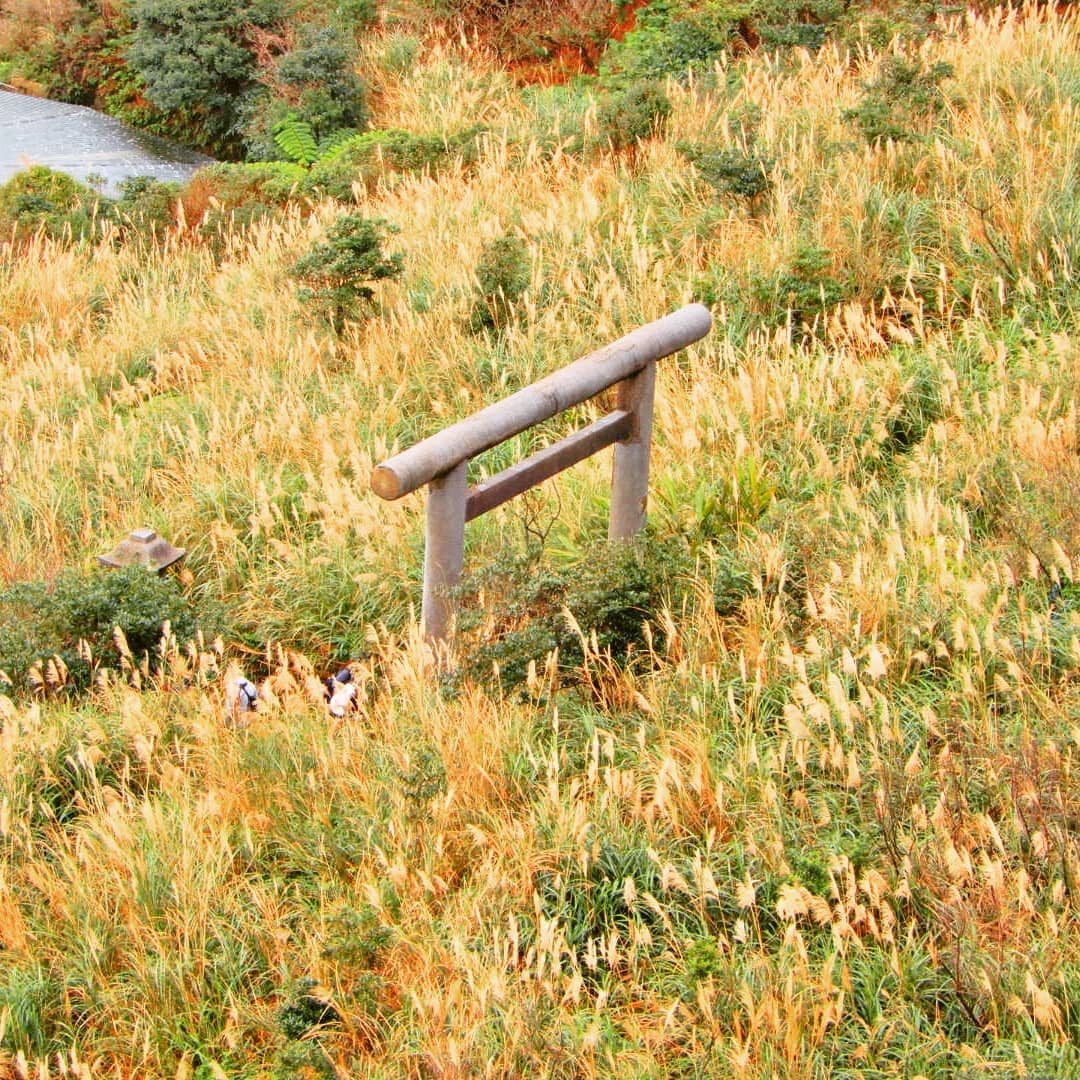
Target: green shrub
x=733, y=582
x=797, y=35
x=731, y=170
x=39, y=198
x=307, y=1010
x=672, y=39
x=779, y=25
x=319, y=73
x=355, y=938
x=73, y=621
x=303, y=1058
x=147, y=206
x=122, y=93
x=898, y=104
x=677, y=38
x=510, y=615
x=512, y=612
x=711, y=512
x=364, y=159
x=502, y=276
x=621, y=585
x=803, y=292
x=628, y=116
x=352, y=950
x=336, y=275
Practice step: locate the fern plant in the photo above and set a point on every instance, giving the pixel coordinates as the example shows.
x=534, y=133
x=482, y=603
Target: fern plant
x=295, y=138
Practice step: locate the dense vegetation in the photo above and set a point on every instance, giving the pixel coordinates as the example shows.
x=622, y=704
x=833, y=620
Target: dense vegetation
x=784, y=788
x=213, y=74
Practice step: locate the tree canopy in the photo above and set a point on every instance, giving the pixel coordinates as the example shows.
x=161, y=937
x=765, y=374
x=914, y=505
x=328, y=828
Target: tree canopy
x=199, y=55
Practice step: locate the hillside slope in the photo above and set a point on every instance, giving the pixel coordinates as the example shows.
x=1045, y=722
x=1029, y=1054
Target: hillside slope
x=816, y=817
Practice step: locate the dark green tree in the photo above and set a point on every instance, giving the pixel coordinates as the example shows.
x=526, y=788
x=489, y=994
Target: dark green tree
x=314, y=83
x=198, y=56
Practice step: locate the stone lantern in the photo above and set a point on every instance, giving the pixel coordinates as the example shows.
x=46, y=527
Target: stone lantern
x=143, y=547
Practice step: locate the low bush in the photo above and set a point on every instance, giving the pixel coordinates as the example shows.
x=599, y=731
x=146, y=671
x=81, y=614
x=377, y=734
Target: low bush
x=365, y=159
x=899, y=104
x=306, y=1010
x=628, y=116
x=679, y=38
x=336, y=275
x=502, y=276
x=41, y=199
x=802, y=292
x=147, y=206
x=731, y=170
x=57, y=636
x=513, y=613
x=671, y=40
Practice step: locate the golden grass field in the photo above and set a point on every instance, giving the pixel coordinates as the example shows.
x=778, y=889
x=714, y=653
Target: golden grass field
x=829, y=828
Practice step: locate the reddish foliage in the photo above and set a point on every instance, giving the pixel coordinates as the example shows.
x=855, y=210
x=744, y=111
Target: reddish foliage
x=197, y=199
x=580, y=55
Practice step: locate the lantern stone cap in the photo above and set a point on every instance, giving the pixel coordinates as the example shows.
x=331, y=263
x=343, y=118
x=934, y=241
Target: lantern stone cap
x=143, y=547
